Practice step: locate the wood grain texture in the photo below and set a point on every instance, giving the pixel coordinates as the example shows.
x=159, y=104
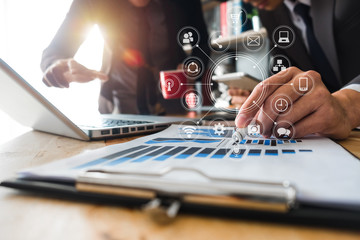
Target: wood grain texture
x=34, y=217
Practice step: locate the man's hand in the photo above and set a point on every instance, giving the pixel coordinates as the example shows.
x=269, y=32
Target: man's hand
x=63, y=72
x=312, y=111
x=238, y=96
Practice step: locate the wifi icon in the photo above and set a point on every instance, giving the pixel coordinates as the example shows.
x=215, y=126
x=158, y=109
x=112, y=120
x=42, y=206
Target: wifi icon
x=189, y=130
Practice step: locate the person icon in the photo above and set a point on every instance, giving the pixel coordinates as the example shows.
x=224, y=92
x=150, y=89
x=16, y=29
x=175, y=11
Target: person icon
x=188, y=38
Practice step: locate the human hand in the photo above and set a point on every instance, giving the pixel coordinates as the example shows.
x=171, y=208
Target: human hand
x=238, y=96
x=315, y=110
x=63, y=72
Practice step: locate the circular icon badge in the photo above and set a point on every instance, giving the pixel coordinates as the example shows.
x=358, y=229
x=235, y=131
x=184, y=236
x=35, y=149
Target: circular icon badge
x=193, y=67
x=188, y=130
x=218, y=43
x=303, y=84
x=279, y=63
x=219, y=93
x=170, y=85
x=254, y=41
x=283, y=36
x=281, y=104
x=284, y=129
x=191, y=100
x=188, y=36
x=236, y=17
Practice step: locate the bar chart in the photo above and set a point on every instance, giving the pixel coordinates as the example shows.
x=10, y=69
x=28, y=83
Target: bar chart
x=175, y=149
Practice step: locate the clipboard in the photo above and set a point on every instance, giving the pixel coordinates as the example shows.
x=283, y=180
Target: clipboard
x=162, y=195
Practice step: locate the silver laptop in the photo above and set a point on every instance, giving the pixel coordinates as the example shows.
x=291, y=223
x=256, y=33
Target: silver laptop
x=27, y=106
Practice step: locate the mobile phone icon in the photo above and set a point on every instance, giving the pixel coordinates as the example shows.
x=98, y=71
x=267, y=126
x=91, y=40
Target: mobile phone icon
x=303, y=84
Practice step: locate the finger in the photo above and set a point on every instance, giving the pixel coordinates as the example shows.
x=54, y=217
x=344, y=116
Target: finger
x=238, y=100
x=82, y=74
x=261, y=92
x=58, y=74
x=51, y=79
x=238, y=92
x=100, y=75
x=46, y=81
x=302, y=108
x=309, y=125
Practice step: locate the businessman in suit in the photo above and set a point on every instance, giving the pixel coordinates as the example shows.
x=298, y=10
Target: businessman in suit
x=140, y=40
x=326, y=50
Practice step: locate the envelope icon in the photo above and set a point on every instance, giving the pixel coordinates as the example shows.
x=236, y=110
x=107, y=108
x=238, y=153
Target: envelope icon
x=253, y=41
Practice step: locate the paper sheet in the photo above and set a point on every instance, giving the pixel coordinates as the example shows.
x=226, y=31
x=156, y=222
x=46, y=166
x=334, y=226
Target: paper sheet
x=321, y=170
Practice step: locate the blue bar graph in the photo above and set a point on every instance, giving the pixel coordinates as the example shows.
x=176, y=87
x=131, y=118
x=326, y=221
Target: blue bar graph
x=188, y=153
x=254, y=152
x=288, y=151
x=220, y=153
x=131, y=156
x=170, y=154
x=181, y=140
x=205, y=152
x=112, y=156
x=271, y=152
x=152, y=154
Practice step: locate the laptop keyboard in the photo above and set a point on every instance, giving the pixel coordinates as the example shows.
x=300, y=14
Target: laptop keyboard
x=115, y=122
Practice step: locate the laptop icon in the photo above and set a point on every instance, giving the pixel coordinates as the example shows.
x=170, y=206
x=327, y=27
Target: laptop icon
x=27, y=106
x=284, y=37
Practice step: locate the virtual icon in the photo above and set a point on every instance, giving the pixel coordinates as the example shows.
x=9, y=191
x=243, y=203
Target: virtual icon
x=253, y=130
x=215, y=41
x=188, y=38
x=235, y=17
x=189, y=130
x=284, y=37
x=169, y=84
x=279, y=66
x=192, y=68
x=192, y=100
x=219, y=129
x=283, y=132
x=303, y=84
x=281, y=105
x=253, y=41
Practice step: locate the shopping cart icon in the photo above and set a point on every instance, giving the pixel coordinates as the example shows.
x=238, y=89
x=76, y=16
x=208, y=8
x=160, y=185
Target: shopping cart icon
x=235, y=17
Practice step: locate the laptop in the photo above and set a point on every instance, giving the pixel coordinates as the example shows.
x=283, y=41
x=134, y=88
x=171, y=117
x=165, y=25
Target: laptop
x=27, y=106
x=284, y=37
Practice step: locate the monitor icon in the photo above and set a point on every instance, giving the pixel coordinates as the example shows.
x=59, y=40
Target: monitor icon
x=284, y=37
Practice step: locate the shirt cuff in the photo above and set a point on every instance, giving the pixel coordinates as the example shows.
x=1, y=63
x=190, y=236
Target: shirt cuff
x=353, y=86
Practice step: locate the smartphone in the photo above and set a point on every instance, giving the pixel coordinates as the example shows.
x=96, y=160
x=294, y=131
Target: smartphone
x=238, y=80
x=303, y=84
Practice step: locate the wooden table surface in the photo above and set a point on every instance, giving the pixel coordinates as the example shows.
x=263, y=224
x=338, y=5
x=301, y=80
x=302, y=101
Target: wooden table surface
x=30, y=216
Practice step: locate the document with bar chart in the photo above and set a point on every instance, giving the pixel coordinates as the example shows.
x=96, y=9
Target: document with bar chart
x=320, y=169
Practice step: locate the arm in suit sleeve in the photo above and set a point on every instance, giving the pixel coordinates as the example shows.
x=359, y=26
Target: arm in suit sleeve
x=70, y=35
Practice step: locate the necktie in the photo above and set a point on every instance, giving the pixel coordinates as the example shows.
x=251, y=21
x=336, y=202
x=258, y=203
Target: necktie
x=318, y=56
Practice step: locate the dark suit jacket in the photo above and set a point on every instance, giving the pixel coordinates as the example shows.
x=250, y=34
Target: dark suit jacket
x=124, y=26
x=337, y=29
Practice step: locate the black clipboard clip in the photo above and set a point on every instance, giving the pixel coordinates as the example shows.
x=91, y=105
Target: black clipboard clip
x=166, y=195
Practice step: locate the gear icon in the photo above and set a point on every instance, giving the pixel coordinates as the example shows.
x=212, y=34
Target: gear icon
x=219, y=129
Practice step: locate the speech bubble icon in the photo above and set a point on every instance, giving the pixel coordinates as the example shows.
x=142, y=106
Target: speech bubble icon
x=283, y=132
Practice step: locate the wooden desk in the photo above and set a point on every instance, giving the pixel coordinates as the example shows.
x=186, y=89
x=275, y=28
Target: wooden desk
x=27, y=216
